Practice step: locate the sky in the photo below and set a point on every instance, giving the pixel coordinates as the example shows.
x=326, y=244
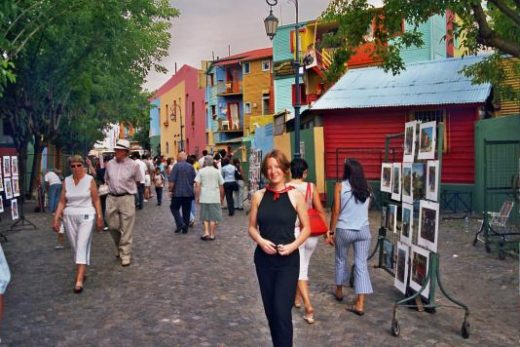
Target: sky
x=206, y=26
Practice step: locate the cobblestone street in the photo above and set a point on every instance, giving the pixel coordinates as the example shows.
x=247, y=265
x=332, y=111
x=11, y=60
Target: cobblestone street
x=181, y=291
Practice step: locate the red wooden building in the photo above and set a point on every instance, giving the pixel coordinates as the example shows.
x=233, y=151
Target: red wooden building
x=367, y=104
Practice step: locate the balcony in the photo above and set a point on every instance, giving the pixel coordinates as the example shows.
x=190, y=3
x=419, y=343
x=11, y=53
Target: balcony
x=228, y=126
x=229, y=88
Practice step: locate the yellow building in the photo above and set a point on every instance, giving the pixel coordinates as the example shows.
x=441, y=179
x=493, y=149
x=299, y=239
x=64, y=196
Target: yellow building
x=172, y=106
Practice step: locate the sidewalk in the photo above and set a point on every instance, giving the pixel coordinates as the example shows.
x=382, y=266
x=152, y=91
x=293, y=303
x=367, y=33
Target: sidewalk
x=181, y=291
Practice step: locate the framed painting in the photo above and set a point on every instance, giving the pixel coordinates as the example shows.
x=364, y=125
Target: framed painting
x=432, y=180
x=14, y=209
x=427, y=140
x=1, y=204
x=402, y=266
x=420, y=259
x=407, y=191
x=391, y=218
x=396, y=181
x=14, y=166
x=6, y=161
x=8, y=186
x=418, y=181
x=16, y=186
x=409, y=141
x=428, y=232
x=1, y=180
x=386, y=177
x=407, y=224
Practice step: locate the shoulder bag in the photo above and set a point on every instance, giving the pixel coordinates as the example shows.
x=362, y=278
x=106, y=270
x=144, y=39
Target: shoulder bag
x=317, y=224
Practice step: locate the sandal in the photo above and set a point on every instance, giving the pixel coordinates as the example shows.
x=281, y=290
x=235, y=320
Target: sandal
x=353, y=309
x=205, y=238
x=309, y=317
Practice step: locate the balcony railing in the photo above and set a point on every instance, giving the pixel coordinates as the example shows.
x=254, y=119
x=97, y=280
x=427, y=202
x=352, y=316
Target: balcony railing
x=229, y=88
x=227, y=126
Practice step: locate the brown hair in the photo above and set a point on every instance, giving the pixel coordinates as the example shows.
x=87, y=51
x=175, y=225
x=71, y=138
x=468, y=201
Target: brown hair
x=280, y=158
x=76, y=159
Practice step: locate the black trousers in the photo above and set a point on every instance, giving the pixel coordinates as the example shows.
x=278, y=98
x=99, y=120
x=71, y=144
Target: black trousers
x=278, y=279
x=228, y=191
x=140, y=196
x=185, y=204
x=158, y=192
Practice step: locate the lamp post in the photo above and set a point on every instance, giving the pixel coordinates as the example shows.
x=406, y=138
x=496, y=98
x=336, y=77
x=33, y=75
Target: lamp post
x=271, y=24
x=173, y=118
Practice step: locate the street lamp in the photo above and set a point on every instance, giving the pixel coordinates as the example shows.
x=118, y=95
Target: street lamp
x=173, y=118
x=271, y=24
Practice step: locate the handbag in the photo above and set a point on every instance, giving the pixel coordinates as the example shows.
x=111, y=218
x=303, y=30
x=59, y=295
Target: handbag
x=318, y=226
x=103, y=189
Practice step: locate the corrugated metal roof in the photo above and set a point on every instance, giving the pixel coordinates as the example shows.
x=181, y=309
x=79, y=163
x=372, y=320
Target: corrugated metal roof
x=437, y=82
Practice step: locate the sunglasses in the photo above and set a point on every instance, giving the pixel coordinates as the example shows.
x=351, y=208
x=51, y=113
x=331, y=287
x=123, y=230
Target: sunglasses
x=75, y=166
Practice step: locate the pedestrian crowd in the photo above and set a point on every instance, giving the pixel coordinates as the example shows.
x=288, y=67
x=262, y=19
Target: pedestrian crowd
x=286, y=218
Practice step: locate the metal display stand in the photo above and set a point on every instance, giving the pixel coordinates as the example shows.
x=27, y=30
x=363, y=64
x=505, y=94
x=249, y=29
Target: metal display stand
x=433, y=277
x=22, y=223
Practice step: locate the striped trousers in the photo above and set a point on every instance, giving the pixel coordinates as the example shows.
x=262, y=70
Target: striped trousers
x=360, y=239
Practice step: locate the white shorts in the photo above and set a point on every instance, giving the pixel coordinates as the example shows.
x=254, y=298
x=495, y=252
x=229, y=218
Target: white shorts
x=147, y=180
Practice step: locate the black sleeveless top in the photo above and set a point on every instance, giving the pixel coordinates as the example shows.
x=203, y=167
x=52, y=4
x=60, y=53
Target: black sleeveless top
x=276, y=218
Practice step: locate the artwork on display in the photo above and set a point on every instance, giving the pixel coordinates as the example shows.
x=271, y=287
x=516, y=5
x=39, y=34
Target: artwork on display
x=1, y=180
x=407, y=224
x=407, y=191
x=6, y=161
x=1, y=204
x=16, y=186
x=388, y=254
x=419, y=269
x=255, y=161
x=427, y=140
x=409, y=142
x=8, y=188
x=396, y=181
x=428, y=225
x=391, y=218
x=14, y=209
x=386, y=177
x=432, y=180
x=402, y=265
x=418, y=181
x=14, y=166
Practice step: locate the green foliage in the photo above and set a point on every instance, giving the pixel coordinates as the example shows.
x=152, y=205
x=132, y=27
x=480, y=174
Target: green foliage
x=488, y=24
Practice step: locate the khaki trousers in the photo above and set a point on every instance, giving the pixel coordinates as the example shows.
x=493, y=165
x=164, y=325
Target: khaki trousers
x=120, y=215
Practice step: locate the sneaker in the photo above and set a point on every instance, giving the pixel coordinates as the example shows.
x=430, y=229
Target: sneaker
x=145, y=200
x=125, y=262
x=59, y=246
x=105, y=228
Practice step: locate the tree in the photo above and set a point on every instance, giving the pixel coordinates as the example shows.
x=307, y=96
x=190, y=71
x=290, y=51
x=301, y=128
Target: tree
x=83, y=69
x=487, y=24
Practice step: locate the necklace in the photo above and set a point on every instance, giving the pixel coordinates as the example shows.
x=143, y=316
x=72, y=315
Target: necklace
x=276, y=193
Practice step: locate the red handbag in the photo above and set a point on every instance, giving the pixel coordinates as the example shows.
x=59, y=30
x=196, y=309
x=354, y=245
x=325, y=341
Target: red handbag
x=318, y=226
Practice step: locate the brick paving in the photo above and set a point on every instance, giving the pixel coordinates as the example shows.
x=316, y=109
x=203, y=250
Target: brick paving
x=181, y=291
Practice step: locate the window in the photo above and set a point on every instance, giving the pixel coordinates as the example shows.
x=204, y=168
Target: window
x=303, y=95
x=247, y=107
x=193, y=113
x=213, y=110
x=212, y=79
x=265, y=104
x=245, y=68
x=266, y=65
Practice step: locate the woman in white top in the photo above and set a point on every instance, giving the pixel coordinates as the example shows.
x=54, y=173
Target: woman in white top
x=299, y=171
x=209, y=193
x=349, y=220
x=80, y=208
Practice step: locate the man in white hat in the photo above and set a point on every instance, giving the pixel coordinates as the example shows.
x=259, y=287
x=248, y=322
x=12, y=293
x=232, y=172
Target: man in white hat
x=122, y=175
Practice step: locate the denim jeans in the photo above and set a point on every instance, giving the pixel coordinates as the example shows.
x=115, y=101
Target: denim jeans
x=54, y=196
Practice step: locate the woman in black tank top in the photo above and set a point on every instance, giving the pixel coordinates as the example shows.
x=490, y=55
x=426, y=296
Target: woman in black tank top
x=271, y=225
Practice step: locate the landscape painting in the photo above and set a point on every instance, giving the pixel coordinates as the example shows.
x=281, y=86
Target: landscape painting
x=409, y=142
x=396, y=181
x=386, y=177
x=418, y=181
x=402, y=265
x=407, y=189
x=407, y=224
x=428, y=232
x=427, y=140
x=419, y=270
x=432, y=180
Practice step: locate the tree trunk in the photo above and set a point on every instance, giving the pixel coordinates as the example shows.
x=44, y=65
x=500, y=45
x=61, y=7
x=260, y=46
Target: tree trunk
x=36, y=161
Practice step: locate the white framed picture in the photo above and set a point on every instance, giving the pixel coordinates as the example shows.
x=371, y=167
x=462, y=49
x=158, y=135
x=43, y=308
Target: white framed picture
x=16, y=186
x=409, y=141
x=418, y=181
x=407, y=189
x=8, y=186
x=396, y=181
x=1, y=181
x=402, y=266
x=432, y=180
x=420, y=260
x=428, y=232
x=14, y=209
x=427, y=140
x=407, y=224
x=1, y=204
x=14, y=165
x=391, y=218
x=6, y=165
x=386, y=177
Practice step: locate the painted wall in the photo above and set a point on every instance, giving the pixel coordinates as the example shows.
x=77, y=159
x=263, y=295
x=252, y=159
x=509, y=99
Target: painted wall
x=281, y=43
x=155, y=127
x=254, y=85
x=434, y=46
x=194, y=118
x=170, y=130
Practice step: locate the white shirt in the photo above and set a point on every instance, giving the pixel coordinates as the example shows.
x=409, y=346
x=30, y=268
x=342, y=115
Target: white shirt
x=228, y=172
x=51, y=178
x=79, y=200
x=210, y=181
x=142, y=168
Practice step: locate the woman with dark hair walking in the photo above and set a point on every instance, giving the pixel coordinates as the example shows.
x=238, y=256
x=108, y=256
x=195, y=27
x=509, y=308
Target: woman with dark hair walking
x=349, y=226
x=299, y=169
